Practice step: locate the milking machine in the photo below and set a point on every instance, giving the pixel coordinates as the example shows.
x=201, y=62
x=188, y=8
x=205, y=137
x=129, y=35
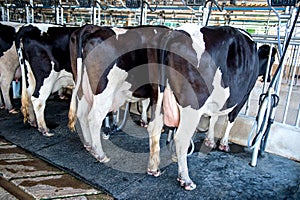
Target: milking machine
x=268, y=101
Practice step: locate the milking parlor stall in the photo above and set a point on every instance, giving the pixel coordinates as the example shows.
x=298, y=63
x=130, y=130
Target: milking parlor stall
x=172, y=99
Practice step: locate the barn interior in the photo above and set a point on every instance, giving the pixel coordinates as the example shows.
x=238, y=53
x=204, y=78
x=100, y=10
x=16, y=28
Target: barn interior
x=269, y=22
x=265, y=23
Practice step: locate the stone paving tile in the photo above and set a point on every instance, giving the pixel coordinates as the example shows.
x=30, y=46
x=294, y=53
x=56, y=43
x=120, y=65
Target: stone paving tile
x=12, y=169
x=9, y=152
x=5, y=195
x=38, y=178
x=4, y=142
x=57, y=186
x=17, y=163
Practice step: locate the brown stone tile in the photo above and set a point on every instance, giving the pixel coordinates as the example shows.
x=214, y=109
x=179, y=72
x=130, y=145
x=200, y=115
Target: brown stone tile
x=57, y=186
x=9, y=152
x=32, y=167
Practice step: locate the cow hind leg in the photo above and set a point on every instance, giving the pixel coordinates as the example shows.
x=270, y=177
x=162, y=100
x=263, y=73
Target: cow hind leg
x=224, y=141
x=28, y=111
x=189, y=119
x=95, y=129
x=2, y=106
x=5, y=86
x=154, y=129
x=144, y=118
x=210, y=138
x=39, y=108
x=82, y=112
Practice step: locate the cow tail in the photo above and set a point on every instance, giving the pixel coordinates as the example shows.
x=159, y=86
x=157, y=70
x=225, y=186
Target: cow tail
x=163, y=61
x=77, y=68
x=24, y=97
x=76, y=64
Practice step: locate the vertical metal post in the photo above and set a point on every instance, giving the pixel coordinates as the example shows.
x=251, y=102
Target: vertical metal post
x=57, y=13
x=32, y=15
x=32, y=11
x=268, y=68
x=288, y=98
x=7, y=14
x=27, y=14
x=205, y=15
x=99, y=16
x=3, y=14
x=61, y=13
x=94, y=14
x=144, y=14
x=298, y=117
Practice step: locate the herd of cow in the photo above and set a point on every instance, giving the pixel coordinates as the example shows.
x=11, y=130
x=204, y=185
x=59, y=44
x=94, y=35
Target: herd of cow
x=187, y=73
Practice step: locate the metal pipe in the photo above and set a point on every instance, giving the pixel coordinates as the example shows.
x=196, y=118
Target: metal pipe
x=298, y=117
x=106, y=122
x=61, y=14
x=288, y=99
x=7, y=14
x=268, y=68
x=3, y=13
x=99, y=16
x=124, y=117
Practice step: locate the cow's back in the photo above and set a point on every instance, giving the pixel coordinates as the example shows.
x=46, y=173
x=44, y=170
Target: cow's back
x=193, y=69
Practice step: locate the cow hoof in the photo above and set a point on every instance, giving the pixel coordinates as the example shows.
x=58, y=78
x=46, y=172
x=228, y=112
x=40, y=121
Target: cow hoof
x=155, y=173
x=87, y=147
x=174, y=158
x=224, y=147
x=105, y=136
x=143, y=123
x=47, y=134
x=105, y=159
x=2, y=107
x=186, y=186
x=190, y=186
x=13, y=111
x=31, y=123
x=209, y=143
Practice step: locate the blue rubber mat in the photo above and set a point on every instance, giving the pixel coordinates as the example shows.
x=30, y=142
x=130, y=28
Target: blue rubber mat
x=218, y=175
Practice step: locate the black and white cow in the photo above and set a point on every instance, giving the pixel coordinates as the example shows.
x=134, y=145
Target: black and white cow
x=8, y=61
x=193, y=72
x=44, y=57
x=95, y=54
x=263, y=54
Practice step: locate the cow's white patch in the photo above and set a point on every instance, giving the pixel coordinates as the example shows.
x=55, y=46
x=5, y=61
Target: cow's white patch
x=145, y=104
x=30, y=78
x=43, y=27
x=64, y=79
x=55, y=81
x=117, y=89
x=16, y=25
x=198, y=43
x=218, y=97
x=119, y=31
